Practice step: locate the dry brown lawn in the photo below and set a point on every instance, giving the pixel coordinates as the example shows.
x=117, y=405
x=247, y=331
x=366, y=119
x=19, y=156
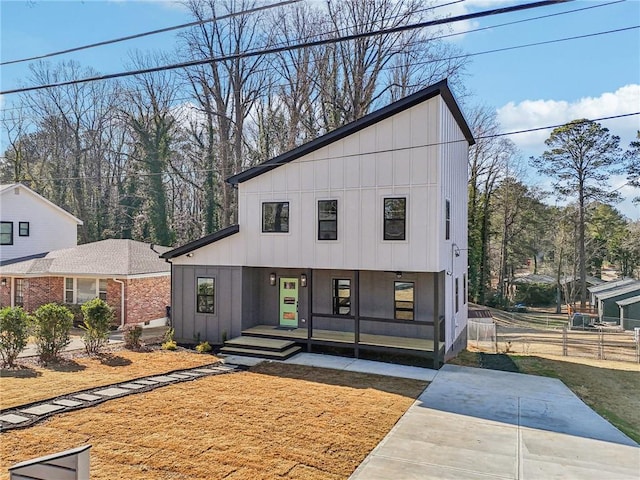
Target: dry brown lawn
x=272, y=422
x=32, y=382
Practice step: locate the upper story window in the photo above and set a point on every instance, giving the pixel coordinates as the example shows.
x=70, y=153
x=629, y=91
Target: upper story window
x=81, y=290
x=341, y=296
x=6, y=233
x=205, y=298
x=447, y=219
x=395, y=218
x=327, y=219
x=404, y=300
x=275, y=217
x=23, y=229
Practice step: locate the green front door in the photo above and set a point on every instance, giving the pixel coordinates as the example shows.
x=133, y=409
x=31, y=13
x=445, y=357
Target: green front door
x=288, y=302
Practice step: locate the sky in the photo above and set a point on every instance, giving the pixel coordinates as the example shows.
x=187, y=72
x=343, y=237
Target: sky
x=529, y=87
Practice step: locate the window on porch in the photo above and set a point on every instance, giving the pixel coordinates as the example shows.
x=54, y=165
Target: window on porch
x=341, y=296
x=18, y=297
x=404, y=303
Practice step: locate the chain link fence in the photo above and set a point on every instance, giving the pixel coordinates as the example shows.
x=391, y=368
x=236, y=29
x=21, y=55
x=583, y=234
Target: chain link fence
x=599, y=343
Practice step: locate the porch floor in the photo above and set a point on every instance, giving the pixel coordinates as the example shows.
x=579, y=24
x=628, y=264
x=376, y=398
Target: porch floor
x=348, y=338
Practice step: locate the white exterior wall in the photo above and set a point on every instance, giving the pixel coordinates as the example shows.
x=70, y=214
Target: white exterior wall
x=49, y=228
x=454, y=180
x=399, y=156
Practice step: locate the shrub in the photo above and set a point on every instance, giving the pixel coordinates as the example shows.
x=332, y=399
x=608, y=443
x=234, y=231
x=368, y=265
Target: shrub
x=132, y=334
x=169, y=345
x=169, y=334
x=203, y=347
x=97, y=320
x=51, y=325
x=13, y=334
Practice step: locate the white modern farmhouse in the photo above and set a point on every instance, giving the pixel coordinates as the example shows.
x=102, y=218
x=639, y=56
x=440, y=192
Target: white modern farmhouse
x=355, y=240
x=31, y=226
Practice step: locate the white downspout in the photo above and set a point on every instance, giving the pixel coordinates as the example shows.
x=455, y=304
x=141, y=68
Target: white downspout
x=121, y=302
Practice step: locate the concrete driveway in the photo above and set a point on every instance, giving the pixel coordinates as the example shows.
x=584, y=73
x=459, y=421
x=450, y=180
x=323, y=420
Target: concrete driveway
x=483, y=424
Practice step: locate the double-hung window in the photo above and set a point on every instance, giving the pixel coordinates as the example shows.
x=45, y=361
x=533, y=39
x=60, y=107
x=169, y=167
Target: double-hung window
x=6, y=233
x=205, y=297
x=341, y=296
x=275, y=217
x=327, y=219
x=395, y=218
x=447, y=219
x=404, y=300
x=81, y=290
x=23, y=229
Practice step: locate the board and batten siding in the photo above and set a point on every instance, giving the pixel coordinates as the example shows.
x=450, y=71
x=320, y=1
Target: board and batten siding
x=401, y=156
x=225, y=321
x=49, y=228
x=454, y=252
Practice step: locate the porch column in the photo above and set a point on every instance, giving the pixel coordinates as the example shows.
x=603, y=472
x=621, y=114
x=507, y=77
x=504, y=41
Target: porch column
x=356, y=313
x=436, y=321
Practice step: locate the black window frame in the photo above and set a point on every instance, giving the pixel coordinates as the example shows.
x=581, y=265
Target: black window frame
x=20, y=225
x=277, y=226
x=447, y=219
x=10, y=233
x=457, y=293
x=200, y=305
x=332, y=232
x=338, y=301
x=392, y=216
x=464, y=288
x=396, y=302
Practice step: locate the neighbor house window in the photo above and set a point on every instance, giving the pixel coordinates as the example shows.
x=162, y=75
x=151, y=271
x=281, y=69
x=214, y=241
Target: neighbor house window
x=447, y=220
x=341, y=296
x=275, y=217
x=6, y=233
x=18, y=297
x=23, y=229
x=457, y=295
x=404, y=300
x=81, y=290
x=327, y=219
x=206, y=295
x=395, y=215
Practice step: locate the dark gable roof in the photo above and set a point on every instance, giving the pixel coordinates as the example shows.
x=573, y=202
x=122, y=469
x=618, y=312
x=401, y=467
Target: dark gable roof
x=201, y=242
x=441, y=88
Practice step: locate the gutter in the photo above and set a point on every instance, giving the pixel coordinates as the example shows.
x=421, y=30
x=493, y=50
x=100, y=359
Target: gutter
x=121, y=302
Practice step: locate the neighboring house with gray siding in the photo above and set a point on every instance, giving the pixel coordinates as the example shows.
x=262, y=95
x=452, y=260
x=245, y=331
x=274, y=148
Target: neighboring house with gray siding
x=357, y=239
x=127, y=274
x=608, y=309
x=629, y=312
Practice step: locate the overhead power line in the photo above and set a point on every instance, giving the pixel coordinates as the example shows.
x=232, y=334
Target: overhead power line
x=268, y=51
x=432, y=144
x=154, y=32
x=392, y=67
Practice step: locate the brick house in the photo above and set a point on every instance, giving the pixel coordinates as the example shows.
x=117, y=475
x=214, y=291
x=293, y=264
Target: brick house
x=127, y=274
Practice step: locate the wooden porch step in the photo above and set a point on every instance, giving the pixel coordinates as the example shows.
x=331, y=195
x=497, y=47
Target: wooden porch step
x=271, y=355
x=259, y=343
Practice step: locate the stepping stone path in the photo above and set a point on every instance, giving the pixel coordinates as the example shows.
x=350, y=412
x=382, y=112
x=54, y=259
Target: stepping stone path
x=26, y=415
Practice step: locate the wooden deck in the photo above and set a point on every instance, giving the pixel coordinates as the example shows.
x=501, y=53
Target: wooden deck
x=346, y=338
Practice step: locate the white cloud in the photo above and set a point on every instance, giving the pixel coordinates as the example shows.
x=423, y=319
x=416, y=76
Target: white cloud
x=538, y=113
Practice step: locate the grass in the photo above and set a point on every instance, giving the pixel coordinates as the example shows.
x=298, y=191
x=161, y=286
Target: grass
x=32, y=382
x=272, y=422
x=609, y=387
